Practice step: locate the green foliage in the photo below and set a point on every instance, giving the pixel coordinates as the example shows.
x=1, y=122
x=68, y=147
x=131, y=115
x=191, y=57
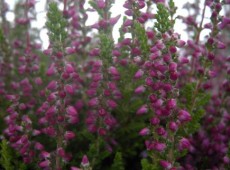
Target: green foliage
x=10, y=160
x=163, y=23
x=56, y=25
x=148, y=166
x=118, y=163
x=1, y=36
x=6, y=156
x=106, y=47
x=93, y=4
x=4, y=47
x=97, y=153
x=142, y=38
x=195, y=103
x=172, y=10
x=187, y=93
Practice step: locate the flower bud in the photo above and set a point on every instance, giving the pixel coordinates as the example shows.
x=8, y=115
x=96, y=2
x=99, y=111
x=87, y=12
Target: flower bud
x=142, y=110
x=52, y=85
x=69, y=68
x=165, y=164
x=114, y=20
x=44, y=164
x=140, y=89
x=85, y=161
x=69, y=135
x=144, y=132
x=184, y=116
x=101, y=4
x=113, y=71
x=159, y=146
x=173, y=126
x=71, y=111
x=69, y=89
x=184, y=144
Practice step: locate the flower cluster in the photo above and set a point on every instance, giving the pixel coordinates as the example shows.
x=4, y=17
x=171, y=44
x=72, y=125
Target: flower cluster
x=149, y=100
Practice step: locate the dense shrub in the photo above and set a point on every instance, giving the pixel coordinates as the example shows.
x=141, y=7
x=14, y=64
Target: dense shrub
x=148, y=101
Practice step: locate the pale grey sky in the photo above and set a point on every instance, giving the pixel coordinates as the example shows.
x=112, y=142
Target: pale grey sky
x=116, y=10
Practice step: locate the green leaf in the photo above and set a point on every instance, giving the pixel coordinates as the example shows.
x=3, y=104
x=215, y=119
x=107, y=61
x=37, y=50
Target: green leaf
x=163, y=23
x=106, y=46
x=6, y=156
x=56, y=25
x=118, y=162
x=142, y=38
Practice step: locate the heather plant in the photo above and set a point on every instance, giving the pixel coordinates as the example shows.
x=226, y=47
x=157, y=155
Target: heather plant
x=147, y=100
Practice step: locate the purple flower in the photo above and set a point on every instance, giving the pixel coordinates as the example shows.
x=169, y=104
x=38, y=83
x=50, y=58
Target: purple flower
x=69, y=68
x=113, y=71
x=142, y=110
x=52, y=85
x=114, y=20
x=93, y=102
x=85, y=161
x=71, y=111
x=139, y=74
x=159, y=146
x=101, y=4
x=69, y=135
x=171, y=104
x=111, y=103
x=184, y=116
x=140, y=89
x=173, y=126
x=184, y=144
x=144, y=132
x=165, y=164
x=44, y=164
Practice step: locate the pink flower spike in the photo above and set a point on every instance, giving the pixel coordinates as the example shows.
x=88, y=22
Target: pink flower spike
x=225, y=21
x=69, y=50
x=38, y=81
x=159, y=146
x=93, y=102
x=139, y=74
x=71, y=111
x=173, y=126
x=127, y=23
x=144, y=132
x=85, y=161
x=114, y=20
x=172, y=49
x=74, y=168
x=220, y=45
x=69, y=89
x=165, y=164
x=45, y=154
x=184, y=144
x=184, y=116
x=44, y=164
x=47, y=51
x=140, y=89
x=38, y=146
x=51, y=70
x=69, y=68
x=101, y=4
x=142, y=110
x=52, y=85
x=69, y=135
x=112, y=104
x=61, y=152
x=171, y=104
x=113, y=71
x=180, y=43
